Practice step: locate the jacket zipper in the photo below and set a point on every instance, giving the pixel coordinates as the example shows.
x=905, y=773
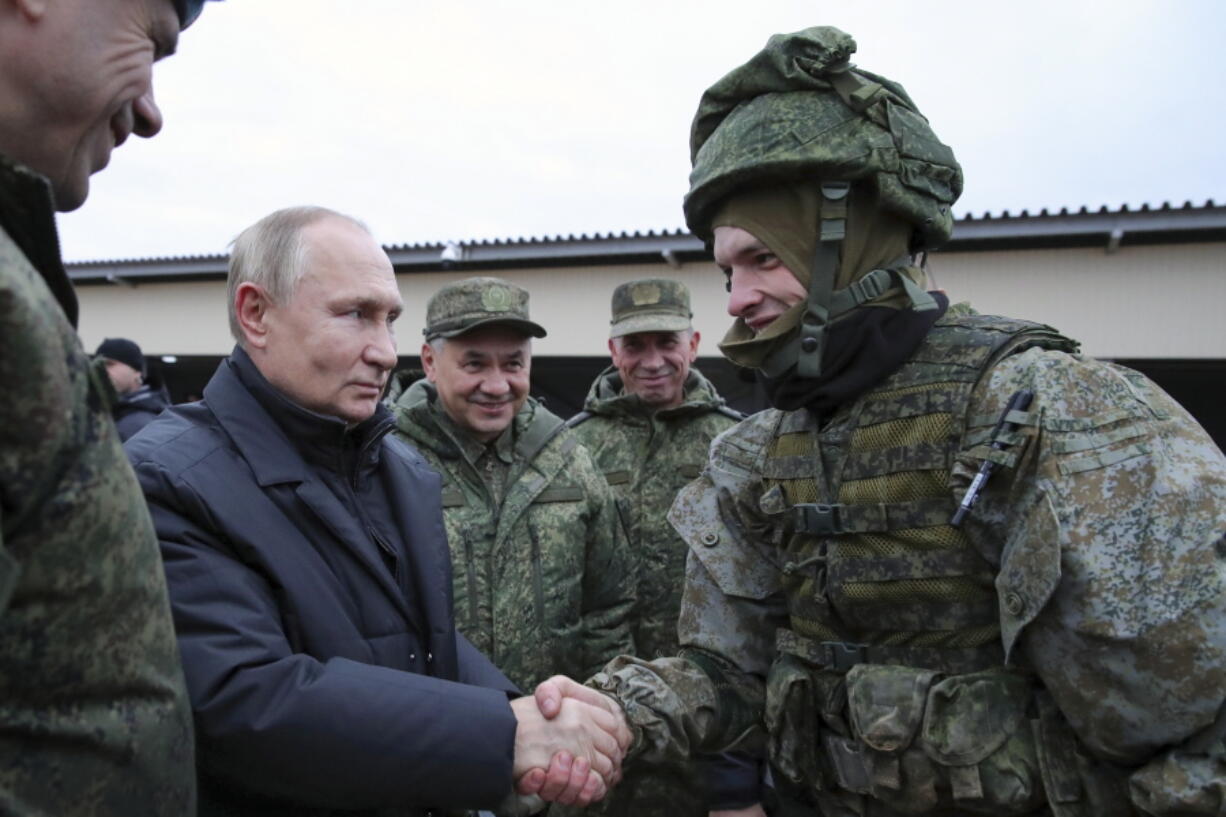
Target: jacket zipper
x=538, y=588
x=470, y=567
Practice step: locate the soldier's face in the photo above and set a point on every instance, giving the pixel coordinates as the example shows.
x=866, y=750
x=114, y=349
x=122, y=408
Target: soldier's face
x=482, y=377
x=90, y=76
x=332, y=346
x=654, y=365
x=760, y=287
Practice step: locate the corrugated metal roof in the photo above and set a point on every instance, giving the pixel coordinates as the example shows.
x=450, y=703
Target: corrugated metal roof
x=1104, y=227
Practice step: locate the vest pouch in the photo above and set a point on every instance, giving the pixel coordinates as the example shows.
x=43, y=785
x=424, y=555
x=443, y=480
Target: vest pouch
x=960, y=743
x=886, y=708
x=976, y=731
x=792, y=721
x=886, y=704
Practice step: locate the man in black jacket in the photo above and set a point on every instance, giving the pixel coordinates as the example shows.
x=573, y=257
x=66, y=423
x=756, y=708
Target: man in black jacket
x=308, y=567
x=138, y=402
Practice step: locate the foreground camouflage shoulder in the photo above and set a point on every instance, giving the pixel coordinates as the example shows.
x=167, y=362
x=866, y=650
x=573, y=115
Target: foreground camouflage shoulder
x=95, y=713
x=1109, y=537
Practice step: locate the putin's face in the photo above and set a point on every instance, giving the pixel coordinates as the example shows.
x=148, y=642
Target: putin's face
x=331, y=347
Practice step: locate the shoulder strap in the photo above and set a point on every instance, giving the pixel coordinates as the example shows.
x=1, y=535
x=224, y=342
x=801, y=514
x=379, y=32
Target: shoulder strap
x=579, y=418
x=731, y=413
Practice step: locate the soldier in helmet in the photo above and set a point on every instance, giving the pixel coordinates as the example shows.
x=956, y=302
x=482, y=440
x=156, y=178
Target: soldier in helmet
x=648, y=421
x=1057, y=646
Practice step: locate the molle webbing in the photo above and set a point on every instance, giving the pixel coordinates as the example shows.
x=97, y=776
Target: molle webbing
x=872, y=564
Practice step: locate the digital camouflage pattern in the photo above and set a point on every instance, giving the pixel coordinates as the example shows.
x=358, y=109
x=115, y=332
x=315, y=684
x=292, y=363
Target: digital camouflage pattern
x=800, y=109
x=1104, y=524
x=473, y=302
x=647, y=456
x=544, y=582
x=92, y=700
x=650, y=305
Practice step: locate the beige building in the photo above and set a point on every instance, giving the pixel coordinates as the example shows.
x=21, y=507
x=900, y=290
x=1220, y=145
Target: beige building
x=1145, y=287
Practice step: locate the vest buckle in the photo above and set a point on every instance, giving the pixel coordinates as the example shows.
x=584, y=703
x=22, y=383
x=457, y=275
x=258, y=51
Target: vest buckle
x=842, y=655
x=818, y=519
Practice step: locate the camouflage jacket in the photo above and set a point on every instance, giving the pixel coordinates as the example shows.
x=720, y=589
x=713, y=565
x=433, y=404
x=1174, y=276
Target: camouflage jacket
x=1105, y=521
x=543, y=581
x=92, y=701
x=647, y=456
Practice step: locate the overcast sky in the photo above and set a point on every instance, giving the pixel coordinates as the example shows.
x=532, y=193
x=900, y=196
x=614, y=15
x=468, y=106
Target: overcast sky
x=460, y=120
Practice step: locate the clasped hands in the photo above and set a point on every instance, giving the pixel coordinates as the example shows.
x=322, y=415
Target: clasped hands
x=569, y=742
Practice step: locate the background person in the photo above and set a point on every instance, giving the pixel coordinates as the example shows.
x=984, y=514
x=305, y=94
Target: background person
x=137, y=402
x=648, y=422
x=544, y=582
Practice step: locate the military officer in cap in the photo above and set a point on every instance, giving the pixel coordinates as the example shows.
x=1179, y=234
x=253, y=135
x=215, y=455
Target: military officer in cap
x=648, y=421
x=544, y=582
x=959, y=568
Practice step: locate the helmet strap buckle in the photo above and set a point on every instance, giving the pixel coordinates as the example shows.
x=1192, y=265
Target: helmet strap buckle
x=831, y=231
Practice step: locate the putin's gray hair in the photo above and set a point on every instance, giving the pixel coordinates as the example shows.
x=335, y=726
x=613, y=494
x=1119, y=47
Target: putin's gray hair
x=272, y=255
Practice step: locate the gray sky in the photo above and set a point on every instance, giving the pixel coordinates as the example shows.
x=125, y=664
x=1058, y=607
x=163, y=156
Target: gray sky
x=462, y=120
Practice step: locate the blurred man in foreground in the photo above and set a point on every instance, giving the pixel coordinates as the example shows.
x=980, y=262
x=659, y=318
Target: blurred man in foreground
x=94, y=717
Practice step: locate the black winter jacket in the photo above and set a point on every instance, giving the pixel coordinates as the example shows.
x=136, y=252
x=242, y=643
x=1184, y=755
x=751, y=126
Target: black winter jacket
x=324, y=667
x=136, y=410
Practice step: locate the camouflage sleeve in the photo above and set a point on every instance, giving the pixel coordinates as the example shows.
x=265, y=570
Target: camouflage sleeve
x=609, y=579
x=1107, y=525
x=710, y=698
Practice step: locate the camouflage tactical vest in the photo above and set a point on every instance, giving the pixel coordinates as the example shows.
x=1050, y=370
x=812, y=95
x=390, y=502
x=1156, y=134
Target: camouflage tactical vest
x=873, y=570
x=892, y=609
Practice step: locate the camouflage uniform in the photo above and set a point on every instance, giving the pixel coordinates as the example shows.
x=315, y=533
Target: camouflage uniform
x=1063, y=652
x=648, y=452
x=647, y=457
x=92, y=701
x=543, y=581
x=1100, y=538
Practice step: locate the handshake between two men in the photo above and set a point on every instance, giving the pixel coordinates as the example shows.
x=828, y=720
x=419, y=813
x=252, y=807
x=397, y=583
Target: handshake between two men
x=569, y=743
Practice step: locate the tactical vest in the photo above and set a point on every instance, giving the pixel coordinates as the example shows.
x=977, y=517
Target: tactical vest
x=873, y=571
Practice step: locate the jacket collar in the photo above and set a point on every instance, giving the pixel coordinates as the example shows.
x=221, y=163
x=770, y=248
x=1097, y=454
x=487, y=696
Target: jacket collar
x=608, y=397
x=289, y=435
x=27, y=214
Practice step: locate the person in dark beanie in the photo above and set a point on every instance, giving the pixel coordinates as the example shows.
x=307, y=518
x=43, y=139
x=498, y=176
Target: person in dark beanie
x=137, y=401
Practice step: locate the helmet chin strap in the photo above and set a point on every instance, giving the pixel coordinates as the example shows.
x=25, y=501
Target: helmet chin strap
x=823, y=304
x=811, y=341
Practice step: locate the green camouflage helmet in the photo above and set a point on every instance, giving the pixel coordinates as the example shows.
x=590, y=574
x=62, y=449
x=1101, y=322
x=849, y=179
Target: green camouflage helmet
x=801, y=109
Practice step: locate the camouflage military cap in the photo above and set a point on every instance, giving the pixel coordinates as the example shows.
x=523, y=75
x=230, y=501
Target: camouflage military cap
x=463, y=306
x=650, y=305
